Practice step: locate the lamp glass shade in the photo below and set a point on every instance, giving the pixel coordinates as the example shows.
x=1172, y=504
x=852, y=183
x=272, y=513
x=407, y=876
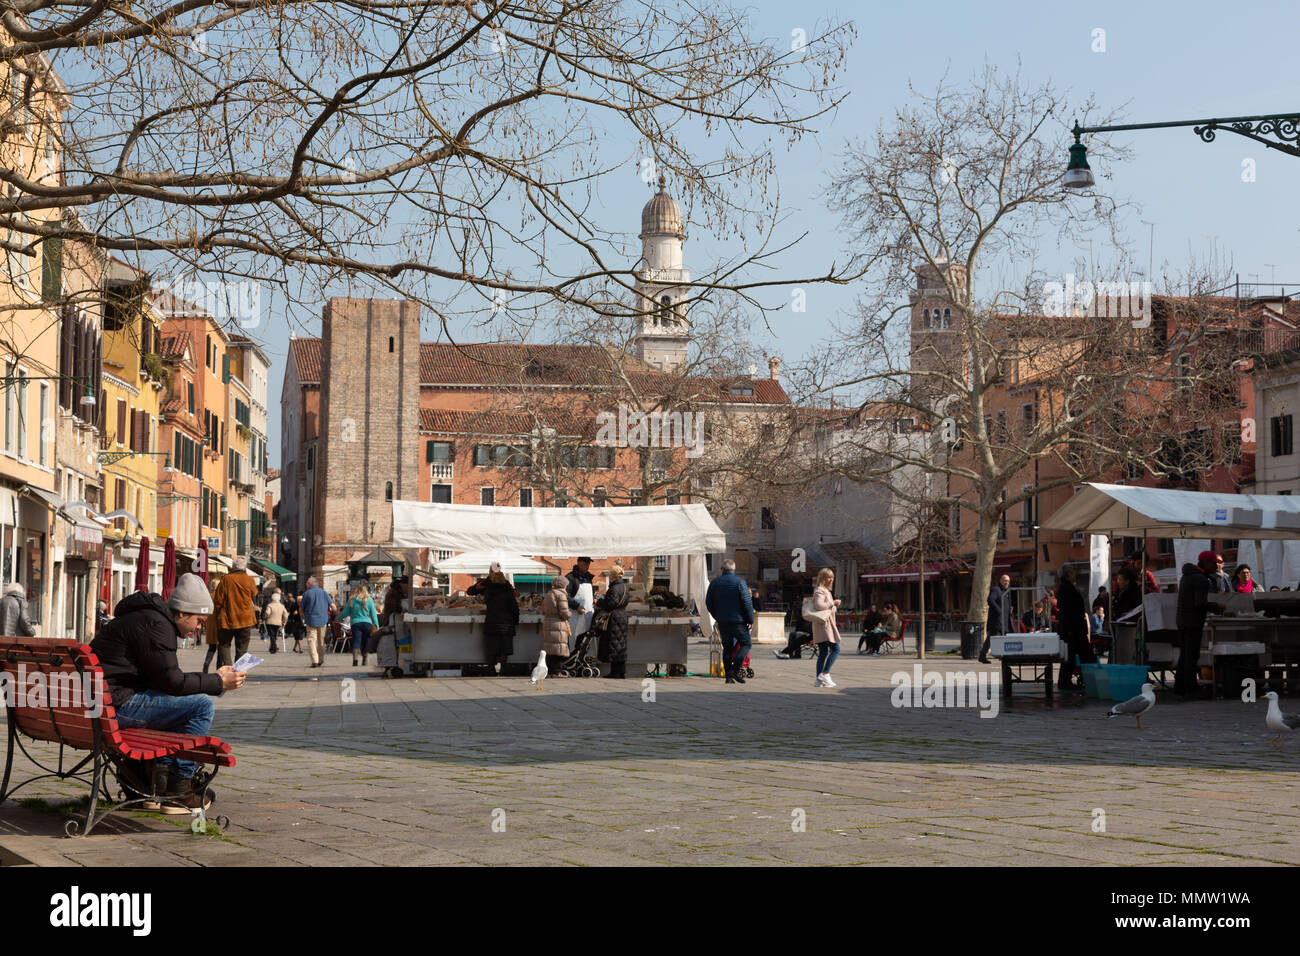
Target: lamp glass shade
x=1077, y=174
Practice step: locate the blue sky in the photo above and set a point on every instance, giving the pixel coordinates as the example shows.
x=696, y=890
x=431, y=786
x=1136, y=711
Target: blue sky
x=1163, y=61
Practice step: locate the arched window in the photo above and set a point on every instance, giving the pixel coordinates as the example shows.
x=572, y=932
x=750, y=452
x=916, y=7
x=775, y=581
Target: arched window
x=925, y=319
x=665, y=309
x=947, y=318
x=388, y=491
x=390, y=343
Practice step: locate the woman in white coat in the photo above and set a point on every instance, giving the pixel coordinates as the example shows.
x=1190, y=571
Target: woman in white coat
x=826, y=633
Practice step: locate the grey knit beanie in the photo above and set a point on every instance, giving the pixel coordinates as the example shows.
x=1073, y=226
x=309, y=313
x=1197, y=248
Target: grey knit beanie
x=190, y=596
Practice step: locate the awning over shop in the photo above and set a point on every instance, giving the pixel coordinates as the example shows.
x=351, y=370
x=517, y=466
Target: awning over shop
x=1125, y=510
x=49, y=497
x=284, y=574
x=907, y=573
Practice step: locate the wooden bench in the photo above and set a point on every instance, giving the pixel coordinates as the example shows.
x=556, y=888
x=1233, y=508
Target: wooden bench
x=63, y=715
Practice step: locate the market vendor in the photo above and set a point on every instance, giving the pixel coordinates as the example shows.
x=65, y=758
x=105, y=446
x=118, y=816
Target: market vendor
x=580, y=575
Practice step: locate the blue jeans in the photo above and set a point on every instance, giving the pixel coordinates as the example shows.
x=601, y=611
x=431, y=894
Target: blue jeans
x=826, y=654
x=735, y=644
x=360, y=634
x=154, y=710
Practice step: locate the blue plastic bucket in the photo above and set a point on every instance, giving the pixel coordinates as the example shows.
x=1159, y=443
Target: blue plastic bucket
x=1096, y=682
x=1126, y=680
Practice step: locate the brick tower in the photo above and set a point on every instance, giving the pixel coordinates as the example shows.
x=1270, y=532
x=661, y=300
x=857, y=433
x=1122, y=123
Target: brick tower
x=370, y=422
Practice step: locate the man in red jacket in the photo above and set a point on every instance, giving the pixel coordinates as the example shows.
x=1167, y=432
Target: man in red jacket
x=137, y=651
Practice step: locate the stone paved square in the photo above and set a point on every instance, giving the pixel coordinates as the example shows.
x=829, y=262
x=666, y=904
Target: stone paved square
x=588, y=773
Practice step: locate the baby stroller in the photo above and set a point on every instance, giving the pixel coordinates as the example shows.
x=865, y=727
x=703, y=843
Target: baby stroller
x=578, y=663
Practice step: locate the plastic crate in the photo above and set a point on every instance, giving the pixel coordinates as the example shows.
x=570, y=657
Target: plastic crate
x=1096, y=682
x=1126, y=680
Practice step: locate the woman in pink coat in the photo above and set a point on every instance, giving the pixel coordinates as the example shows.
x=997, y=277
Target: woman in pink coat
x=826, y=633
x=555, y=625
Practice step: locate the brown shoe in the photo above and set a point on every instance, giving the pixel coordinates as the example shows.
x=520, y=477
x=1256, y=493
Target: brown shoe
x=182, y=799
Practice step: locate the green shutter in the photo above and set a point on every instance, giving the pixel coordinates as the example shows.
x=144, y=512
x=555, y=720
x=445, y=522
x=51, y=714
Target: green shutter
x=225, y=367
x=52, y=269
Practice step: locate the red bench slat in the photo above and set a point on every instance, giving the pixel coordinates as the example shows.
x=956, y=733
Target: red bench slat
x=71, y=725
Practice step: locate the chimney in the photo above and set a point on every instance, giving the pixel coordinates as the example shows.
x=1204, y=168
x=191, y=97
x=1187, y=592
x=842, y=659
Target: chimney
x=774, y=369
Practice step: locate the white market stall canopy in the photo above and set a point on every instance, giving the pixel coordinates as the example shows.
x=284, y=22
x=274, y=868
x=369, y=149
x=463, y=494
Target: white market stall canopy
x=478, y=562
x=1125, y=510
x=558, y=532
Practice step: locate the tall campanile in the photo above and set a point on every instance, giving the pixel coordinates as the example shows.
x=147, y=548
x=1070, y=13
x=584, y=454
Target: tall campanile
x=663, y=332
x=370, y=421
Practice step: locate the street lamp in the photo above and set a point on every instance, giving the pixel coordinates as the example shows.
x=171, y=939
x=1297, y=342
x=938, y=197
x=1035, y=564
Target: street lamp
x=113, y=457
x=1283, y=126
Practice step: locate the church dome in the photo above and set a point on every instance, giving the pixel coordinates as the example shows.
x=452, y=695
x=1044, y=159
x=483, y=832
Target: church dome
x=662, y=216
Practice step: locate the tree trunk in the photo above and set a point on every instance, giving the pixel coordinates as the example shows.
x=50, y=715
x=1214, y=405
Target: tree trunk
x=986, y=546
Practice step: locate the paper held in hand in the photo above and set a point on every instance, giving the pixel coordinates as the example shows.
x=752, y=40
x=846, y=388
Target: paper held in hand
x=248, y=662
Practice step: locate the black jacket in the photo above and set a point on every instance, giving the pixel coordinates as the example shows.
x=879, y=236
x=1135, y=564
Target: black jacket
x=502, y=608
x=613, y=642
x=1193, y=591
x=1072, y=613
x=1002, y=610
x=137, y=650
x=576, y=579
x=1125, y=601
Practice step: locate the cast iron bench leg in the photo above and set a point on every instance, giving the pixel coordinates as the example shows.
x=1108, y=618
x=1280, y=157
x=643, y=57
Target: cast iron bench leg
x=1006, y=680
x=1048, y=682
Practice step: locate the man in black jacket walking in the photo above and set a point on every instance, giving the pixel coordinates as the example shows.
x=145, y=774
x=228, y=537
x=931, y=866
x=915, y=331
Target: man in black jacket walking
x=1193, y=598
x=1002, y=609
x=137, y=651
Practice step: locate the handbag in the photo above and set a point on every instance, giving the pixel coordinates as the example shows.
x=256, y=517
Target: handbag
x=600, y=623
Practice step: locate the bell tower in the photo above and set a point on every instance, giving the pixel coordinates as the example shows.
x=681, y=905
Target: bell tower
x=663, y=334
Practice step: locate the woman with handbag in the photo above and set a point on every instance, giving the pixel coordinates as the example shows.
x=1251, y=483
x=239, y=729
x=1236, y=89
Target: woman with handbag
x=611, y=623
x=555, y=625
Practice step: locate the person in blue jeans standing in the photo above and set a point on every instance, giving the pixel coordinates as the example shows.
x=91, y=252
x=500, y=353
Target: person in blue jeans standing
x=826, y=632
x=729, y=602
x=137, y=651
x=360, y=610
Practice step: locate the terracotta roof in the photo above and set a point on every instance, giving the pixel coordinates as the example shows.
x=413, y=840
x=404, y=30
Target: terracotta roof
x=174, y=346
x=273, y=472
x=306, y=355
x=504, y=363
x=171, y=406
x=444, y=365
x=491, y=423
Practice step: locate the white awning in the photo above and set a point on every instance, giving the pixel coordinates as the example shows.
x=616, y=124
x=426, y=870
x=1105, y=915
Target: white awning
x=478, y=562
x=558, y=532
x=1125, y=510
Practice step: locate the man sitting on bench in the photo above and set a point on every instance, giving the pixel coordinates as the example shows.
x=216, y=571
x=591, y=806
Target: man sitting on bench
x=137, y=651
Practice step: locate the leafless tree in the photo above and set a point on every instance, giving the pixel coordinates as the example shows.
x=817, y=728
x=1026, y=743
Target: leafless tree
x=449, y=151
x=965, y=361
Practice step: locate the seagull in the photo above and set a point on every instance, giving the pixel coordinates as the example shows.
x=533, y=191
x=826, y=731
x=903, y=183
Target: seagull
x=1277, y=721
x=1137, y=706
x=539, y=672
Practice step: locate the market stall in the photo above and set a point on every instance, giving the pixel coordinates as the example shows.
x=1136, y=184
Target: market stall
x=442, y=635
x=1250, y=634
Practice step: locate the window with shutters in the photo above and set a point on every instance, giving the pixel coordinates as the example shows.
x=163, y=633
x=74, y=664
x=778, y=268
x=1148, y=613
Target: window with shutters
x=120, y=434
x=179, y=452
x=525, y=497
x=45, y=411
x=189, y=392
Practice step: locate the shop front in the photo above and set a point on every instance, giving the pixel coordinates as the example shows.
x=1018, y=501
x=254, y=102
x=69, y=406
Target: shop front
x=24, y=542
